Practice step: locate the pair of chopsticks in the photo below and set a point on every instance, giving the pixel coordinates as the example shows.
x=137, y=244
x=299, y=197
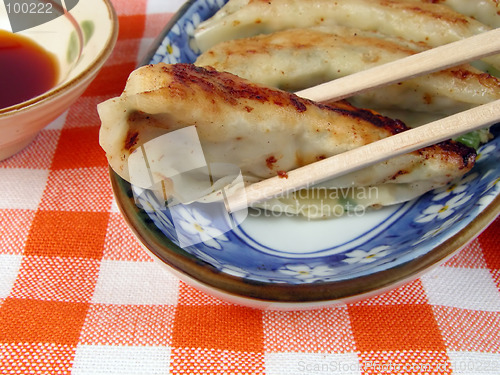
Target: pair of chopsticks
x=429, y=61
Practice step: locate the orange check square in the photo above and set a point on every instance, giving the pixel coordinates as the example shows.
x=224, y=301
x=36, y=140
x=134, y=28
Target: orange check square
x=36, y=358
x=33, y=321
x=395, y=327
x=489, y=241
x=133, y=26
x=65, y=279
x=63, y=234
x=232, y=328
x=110, y=81
x=215, y=361
x=73, y=150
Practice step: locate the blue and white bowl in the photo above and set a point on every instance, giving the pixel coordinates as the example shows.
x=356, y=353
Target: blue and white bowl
x=287, y=262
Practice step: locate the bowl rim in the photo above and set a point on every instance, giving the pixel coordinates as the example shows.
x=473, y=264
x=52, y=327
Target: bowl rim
x=298, y=295
x=91, y=69
x=327, y=292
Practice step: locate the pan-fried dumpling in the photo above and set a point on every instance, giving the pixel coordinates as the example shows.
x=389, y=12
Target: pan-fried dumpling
x=296, y=59
x=266, y=132
x=485, y=11
x=435, y=24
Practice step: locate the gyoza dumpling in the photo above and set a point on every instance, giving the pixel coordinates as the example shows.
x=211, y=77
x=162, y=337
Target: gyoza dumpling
x=435, y=24
x=266, y=132
x=296, y=59
x=485, y=11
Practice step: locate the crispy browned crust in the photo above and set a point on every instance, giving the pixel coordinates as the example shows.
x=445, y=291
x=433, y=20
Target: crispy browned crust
x=188, y=79
x=231, y=88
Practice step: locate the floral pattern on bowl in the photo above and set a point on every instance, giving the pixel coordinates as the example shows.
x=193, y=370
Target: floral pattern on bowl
x=404, y=232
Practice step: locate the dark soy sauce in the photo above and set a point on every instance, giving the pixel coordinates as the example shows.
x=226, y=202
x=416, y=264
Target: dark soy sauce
x=26, y=69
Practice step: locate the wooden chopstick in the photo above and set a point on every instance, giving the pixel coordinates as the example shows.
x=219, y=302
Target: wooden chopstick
x=435, y=59
x=365, y=156
x=425, y=62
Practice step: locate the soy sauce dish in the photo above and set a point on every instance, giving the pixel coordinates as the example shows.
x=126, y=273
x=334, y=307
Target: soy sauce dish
x=48, y=65
x=286, y=262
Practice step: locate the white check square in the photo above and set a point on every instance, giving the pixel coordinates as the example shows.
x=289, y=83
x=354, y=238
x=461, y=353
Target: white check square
x=135, y=283
x=9, y=268
x=473, y=363
x=464, y=288
x=25, y=196
x=312, y=363
x=124, y=360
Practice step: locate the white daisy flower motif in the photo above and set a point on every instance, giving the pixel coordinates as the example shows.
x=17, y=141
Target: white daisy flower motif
x=361, y=256
x=155, y=207
x=170, y=52
x=490, y=193
x=189, y=30
x=192, y=24
x=226, y=268
x=434, y=232
x=147, y=200
x=176, y=29
x=306, y=273
x=493, y=183
x=219, y=3
x=195, y=228
x=441, y=212
x=156, y=59
x=485, y=151
x=142, y=202
x=458, y=187
x=162, y=49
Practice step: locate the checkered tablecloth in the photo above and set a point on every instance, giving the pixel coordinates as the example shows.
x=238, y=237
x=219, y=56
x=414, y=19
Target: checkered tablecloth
x=79, y=296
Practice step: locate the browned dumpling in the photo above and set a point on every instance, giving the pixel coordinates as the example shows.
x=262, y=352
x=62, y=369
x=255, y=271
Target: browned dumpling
x=265, y=132
x=296, y=59
x=432, y=23
x=485, y=11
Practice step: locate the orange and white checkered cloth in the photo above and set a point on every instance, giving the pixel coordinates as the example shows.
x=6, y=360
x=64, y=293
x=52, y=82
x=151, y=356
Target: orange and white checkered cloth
x=79, y=296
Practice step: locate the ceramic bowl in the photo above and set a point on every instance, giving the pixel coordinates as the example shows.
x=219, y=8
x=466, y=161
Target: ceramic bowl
x=284, y=262
x=81, y=40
